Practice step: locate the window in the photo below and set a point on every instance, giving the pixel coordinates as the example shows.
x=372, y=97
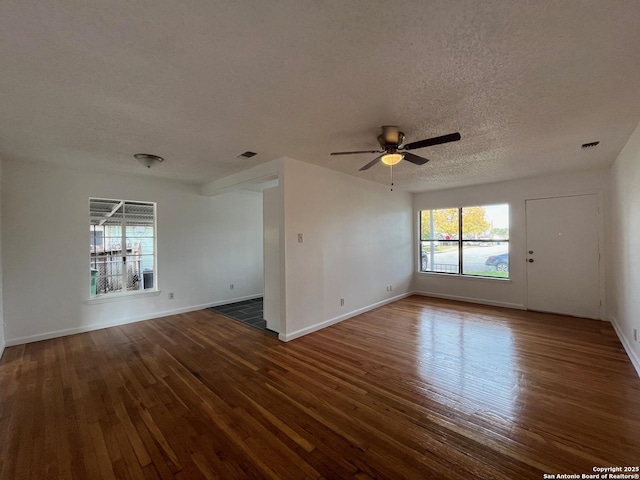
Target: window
x=481, y=251
x=122, y=246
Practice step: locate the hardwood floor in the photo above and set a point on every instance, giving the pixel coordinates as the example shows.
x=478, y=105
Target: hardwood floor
x=421, y=388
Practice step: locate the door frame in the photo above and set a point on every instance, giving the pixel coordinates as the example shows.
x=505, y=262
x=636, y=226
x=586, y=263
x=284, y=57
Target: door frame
x=602, y=245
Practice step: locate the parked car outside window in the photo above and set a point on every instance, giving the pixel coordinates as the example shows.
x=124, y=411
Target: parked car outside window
x=501, y=262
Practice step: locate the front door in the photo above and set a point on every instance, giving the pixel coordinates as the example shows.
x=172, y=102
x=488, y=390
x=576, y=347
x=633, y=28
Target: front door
x=563, y=255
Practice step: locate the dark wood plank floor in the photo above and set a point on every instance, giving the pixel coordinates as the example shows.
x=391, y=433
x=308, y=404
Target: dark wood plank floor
x=421, y=388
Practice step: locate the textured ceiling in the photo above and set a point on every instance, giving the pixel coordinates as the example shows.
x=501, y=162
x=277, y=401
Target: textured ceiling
x=89, y=83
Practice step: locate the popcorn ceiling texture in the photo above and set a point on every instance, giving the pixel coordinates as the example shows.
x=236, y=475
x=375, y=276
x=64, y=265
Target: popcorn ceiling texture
x=88, y=84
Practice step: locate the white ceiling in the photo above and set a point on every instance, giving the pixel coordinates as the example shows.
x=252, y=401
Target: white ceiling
x=89, y=83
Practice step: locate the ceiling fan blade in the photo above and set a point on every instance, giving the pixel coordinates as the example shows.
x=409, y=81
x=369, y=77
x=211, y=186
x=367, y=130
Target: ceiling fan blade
x=371, y=163
x=452, y=137
x=357, y=151
x=410, y=157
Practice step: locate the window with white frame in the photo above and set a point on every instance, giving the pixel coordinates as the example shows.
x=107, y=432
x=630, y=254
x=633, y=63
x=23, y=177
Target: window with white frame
x=466, y=241
x=122, y=246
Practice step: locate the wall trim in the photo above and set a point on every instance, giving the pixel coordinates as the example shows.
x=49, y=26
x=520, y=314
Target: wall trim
x=340, y=318
x=517, y=306
x=234, y=300
x=140, y=318
x=633, y=356
x=118, y=297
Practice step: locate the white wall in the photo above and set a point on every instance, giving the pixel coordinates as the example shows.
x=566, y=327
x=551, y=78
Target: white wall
x=272, y=211
x=204, y=244
x=357, y=238
x=624, y=278
x=511, y=293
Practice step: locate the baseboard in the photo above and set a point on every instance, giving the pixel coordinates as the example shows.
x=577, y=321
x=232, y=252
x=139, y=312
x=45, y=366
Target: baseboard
x=333, y=321
x=235, y=300
x=140, y=318
x=480, y=301
x=633, y=356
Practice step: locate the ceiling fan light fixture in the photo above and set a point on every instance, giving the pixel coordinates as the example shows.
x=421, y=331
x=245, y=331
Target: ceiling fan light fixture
x=148, y=160
x=391, y=158
x=392, y=139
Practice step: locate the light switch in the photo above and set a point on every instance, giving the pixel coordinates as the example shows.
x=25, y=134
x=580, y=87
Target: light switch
x=299, y=238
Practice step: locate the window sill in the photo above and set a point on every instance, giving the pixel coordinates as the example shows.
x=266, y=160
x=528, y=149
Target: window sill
x=466, y=277
x=117, y=297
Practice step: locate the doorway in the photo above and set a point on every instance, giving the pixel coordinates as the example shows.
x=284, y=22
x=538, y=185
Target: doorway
x=563, y=255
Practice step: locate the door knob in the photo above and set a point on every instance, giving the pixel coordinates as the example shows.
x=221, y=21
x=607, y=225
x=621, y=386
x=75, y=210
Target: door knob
x=530, y=260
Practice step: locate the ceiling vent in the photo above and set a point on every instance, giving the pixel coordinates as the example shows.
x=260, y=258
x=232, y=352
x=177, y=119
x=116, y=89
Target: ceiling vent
x=247, y=154
x=590, y=145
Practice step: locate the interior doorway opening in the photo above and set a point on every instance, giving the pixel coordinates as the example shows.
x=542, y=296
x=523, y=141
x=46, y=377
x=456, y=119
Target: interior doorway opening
x=263, y=311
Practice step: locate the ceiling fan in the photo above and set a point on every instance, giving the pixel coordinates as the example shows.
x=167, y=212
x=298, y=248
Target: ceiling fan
x=393, y=151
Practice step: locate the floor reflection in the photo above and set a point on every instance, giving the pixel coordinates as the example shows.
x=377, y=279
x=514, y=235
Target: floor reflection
x=469, y=361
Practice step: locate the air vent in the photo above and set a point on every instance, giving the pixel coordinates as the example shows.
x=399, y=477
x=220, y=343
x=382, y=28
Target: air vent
x=247, y=154
x=590, y=145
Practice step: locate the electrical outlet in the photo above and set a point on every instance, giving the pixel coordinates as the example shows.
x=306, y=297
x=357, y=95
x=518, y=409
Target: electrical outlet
x=635, y=334
x=300, y=238
x=231, y=286
x=391, y=288
x=170, y=295
x=342, y=302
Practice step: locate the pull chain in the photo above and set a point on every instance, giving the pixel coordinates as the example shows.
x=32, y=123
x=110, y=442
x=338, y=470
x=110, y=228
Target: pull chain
x=392, y=178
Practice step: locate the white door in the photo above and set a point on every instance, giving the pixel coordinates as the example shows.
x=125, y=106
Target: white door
x=563, y=255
